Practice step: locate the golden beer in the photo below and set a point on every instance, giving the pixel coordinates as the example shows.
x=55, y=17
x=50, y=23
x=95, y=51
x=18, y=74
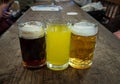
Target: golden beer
x=83, y=40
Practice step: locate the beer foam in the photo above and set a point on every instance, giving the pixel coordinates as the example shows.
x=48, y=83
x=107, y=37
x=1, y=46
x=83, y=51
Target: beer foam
x=29, y=30
x=84, y=29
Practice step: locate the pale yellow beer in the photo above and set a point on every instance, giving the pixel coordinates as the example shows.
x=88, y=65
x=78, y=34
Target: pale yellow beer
x=83, y=40
x=58, y=46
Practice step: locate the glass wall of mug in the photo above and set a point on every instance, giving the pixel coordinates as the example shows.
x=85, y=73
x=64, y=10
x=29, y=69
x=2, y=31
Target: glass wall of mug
x=32, y=43
x=83, y=41
x=57, y=44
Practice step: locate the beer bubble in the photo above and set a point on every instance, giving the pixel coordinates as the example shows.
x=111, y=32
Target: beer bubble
x=31, y=30
x=84, y=28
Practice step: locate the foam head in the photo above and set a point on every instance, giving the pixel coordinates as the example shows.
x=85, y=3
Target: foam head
x=31, y=30
x=84, y=28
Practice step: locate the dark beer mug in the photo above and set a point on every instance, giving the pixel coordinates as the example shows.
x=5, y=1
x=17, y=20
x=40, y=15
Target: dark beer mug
x=32, y=43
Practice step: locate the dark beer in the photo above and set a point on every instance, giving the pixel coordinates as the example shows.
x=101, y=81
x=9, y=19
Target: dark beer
x=32, y=43
x=33, y=51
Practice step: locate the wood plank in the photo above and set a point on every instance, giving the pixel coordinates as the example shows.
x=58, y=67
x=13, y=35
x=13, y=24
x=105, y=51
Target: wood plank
x=106, y=62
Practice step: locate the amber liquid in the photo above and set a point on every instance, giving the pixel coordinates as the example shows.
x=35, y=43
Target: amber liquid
x=82, y=50
x=33, y=52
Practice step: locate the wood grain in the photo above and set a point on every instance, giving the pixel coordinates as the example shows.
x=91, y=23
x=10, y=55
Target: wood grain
x=106, y=62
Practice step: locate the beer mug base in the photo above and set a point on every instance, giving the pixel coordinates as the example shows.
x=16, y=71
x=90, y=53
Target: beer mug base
x=33, y=66
x=80, y=64
x=57, y=67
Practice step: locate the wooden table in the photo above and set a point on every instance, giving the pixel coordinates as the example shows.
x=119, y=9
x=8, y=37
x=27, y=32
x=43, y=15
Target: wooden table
x=106, y=62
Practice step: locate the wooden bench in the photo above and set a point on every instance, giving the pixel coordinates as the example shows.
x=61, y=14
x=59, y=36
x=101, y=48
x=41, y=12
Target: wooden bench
x=112, y=8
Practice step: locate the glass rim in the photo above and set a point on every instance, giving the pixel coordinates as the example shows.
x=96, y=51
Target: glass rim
x=79, y=28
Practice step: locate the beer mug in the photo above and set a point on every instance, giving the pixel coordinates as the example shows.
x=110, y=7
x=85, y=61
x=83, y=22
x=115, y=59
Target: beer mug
x=32, y=43
x=57, y=45
x=83, y=41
